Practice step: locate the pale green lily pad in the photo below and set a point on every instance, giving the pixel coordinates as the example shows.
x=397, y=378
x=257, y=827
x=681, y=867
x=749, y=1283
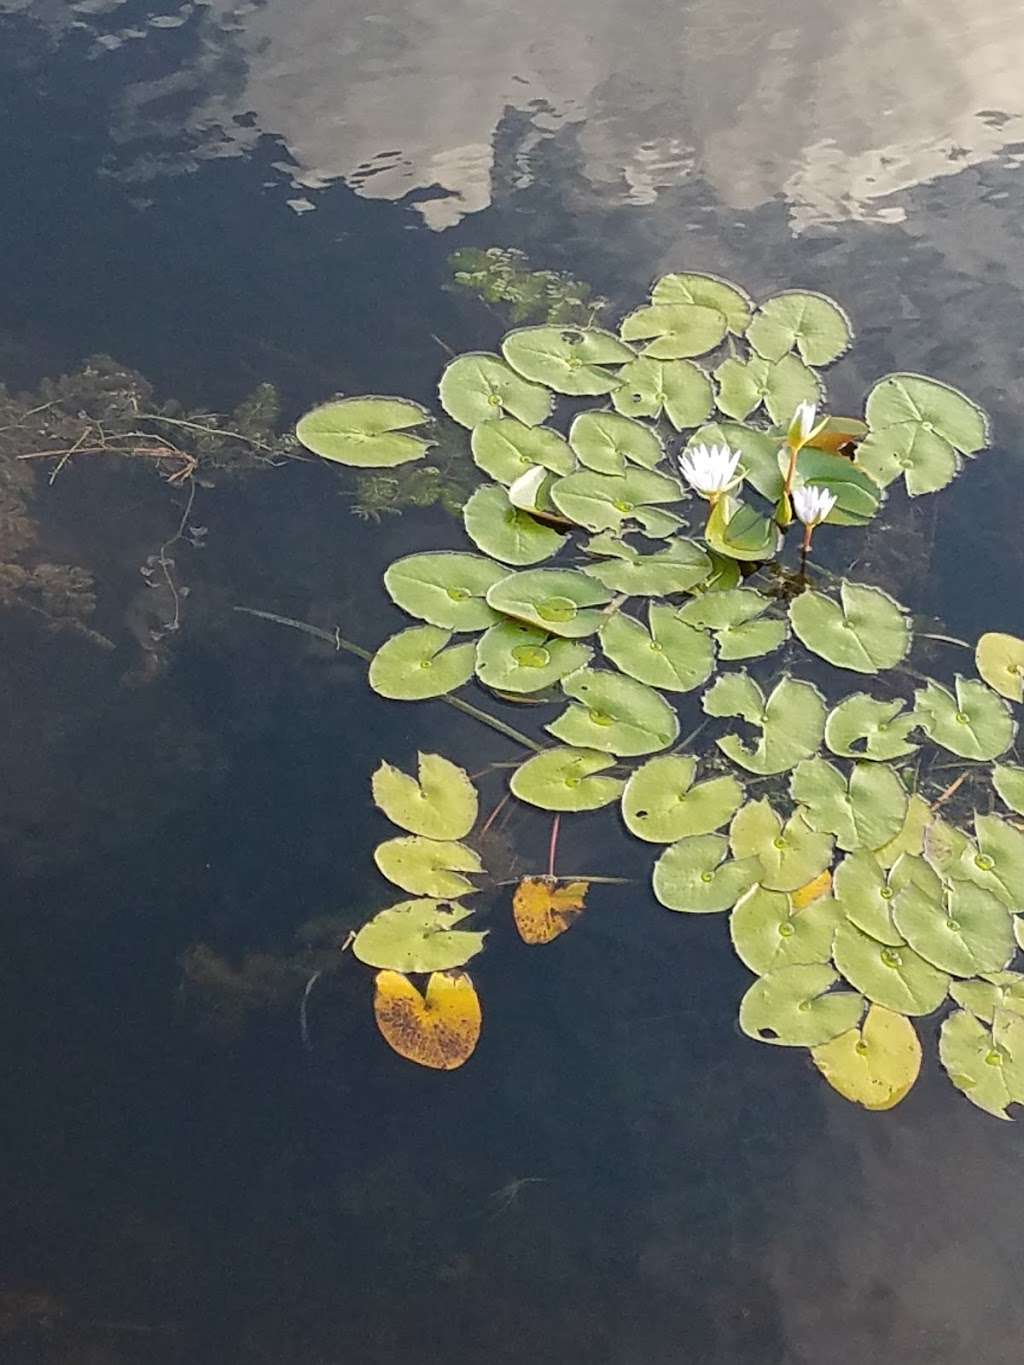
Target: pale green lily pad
x=428, y=867
x=478, y=386
x=857, y=496
x=442, y=804
x=560, y=601
x=674, y=331
x=974, y=724
x=971, y=933
x=792, y=721
x=737, y=531
x=505, y=532
x=866, y=810
x=813, y=324
x=865, y=894
x=938, y=408
x=369, y=432
x=945, y=847
x=669, y=654
x=759, y=453
x=657, y=522
x=996, y=863
x=571, y=360
x=734, y=617
x=890, y=975
x=1008, y=780
x=446, y=588
x=875, y=1065
x=603, y=502
x=795, y=1006
x=988, y=1069
x=677, y=388
x=417, y=936
x=788, y=856
x=615, y=714
x=605, y=441
x=680, y=567
x=565, y=779
x=661, y=804
x=864, y=727
x=1000, y=661
x=514, y=657
x=990, y=992
x=693, y=875
x=710, y=292
x=768, y=933
x=781, y=385
x=924, y=459
x=506, y=448
x=911, y=837
x=866, y=633
x=417, y=664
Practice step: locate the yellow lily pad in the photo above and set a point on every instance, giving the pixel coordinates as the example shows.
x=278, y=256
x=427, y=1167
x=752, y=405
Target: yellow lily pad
x=874, y=1065
x=438, y=1029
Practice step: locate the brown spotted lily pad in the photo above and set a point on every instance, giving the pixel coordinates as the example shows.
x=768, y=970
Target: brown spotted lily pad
x=439, y=1028
x=543, y=907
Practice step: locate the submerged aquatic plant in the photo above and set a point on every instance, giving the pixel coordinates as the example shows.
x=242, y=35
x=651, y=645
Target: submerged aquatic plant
x=855, y=904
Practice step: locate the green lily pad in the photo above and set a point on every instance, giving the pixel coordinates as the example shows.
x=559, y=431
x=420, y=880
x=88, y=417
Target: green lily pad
x=657, y=522
x=792, y=721
x=674, y=331
x=864, y=727
x=768, y=933
x=677, y=388
x=944, y=847
x=734, y=617
x=813, y=324
x=974, y=724
x=991, y=992
x=615, y=714
x=571, y=360
x=513, y=657
x=417, y=936
x=677, y=568
x=442, y=804
x=416, y=664
x=564, y=779
x=1000, y=661
x=560, y=601
x=668, y=654
x=660, y=803
x=924, y=459
x=428, y=867
x=890, y=975
x=1008, y=780
x=708, y=291
x=725, y=574
x=445, y=588
x=996, y=863
x=759, y=452
x=911, y=837
x=875, y=1065
x=795, y=1006
x=867, y=894
x=866, y=633
x=781, y=385
x=986, y=1065
x=900, y=399
x=506, y=448
x=605, y=441
x=505, y=532
x=737, y=531
x=857, y=496
x=369, y=432
x=603, y=502
x=478, y=386
x=788, y=856
x=971, y=933
x=693, y=875
x=866, y=810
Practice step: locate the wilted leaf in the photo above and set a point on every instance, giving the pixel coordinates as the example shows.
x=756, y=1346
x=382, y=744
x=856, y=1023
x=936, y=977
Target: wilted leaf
x=544, y=907
x=439, y=1029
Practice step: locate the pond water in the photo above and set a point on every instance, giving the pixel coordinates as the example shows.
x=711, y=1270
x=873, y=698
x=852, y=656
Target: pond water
x=223, y=195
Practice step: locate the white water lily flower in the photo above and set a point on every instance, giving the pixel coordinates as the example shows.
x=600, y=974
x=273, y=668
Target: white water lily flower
x=710, y=470
x=524, y=491
x=802, y=423
x=812, y=503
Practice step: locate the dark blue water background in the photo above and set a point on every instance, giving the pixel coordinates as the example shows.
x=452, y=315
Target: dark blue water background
x=218, y=196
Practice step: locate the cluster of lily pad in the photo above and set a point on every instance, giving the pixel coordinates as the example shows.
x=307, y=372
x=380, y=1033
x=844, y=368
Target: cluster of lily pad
x=855, y=904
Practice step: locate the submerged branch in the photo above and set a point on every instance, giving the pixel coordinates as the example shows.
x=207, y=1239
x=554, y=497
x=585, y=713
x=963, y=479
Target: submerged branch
x=339, y=642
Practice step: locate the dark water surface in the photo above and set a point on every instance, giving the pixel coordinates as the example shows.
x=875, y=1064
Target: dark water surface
x=221, y=195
